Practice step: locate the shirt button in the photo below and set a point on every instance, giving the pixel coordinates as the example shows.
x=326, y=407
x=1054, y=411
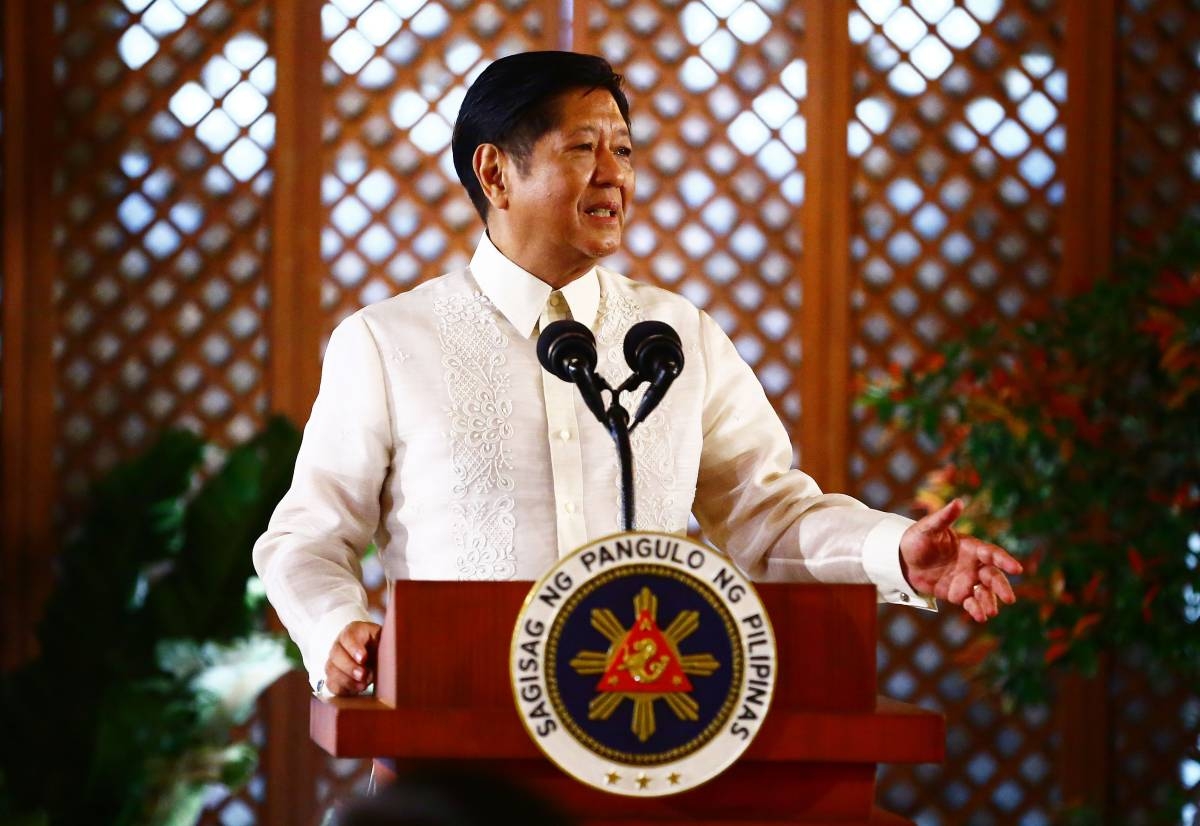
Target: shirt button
x=569, y=507
x=903, y=597
x=565, y=435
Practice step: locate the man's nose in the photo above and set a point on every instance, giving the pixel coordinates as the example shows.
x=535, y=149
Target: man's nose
x=610, y=170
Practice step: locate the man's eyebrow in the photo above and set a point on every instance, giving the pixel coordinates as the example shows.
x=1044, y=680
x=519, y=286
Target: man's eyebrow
x=589, y=129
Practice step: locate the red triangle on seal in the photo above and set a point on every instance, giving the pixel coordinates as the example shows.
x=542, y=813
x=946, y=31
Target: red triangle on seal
x=645, y=663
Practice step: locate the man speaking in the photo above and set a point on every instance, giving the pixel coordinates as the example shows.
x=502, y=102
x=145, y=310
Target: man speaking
x=437, y=434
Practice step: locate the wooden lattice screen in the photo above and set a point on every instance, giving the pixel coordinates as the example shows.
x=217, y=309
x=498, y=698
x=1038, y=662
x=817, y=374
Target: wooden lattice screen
x=958, y=137
x=214, y=222
x=1155, y=724
x=1158, y=118
x=163, y=188
x=718, y=91
x=393, y=78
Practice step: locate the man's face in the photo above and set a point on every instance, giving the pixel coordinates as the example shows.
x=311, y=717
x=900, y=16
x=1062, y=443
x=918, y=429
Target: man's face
x=568, y=203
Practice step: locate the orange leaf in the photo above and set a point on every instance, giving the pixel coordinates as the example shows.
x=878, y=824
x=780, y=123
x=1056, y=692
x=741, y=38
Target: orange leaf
x=1066, y=450
x=1176, y=356
x=1176, y=291
x=1083, y=624
x=1067, y=407
x=1057, y=584
x=1136, y=562
x=936, y=361
x=1056, y=652
x=926, y=501
x=1147, y=600
x=1030, y=590
x=975, y=651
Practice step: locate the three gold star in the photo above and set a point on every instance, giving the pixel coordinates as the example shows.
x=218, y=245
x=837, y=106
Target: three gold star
x=643, y=780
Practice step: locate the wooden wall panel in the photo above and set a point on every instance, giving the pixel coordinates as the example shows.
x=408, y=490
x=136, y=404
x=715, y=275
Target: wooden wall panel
x=27, y=487
x=1089, y=227
x=825, y=313
x=295, y=258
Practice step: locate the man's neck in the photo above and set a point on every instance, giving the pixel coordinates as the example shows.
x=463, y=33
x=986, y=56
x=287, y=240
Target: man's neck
x=556, y=277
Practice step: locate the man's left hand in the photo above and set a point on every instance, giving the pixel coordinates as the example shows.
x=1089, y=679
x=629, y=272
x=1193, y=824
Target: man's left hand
x=963, y=570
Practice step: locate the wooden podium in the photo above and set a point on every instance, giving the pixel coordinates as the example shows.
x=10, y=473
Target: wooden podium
x=443, y=693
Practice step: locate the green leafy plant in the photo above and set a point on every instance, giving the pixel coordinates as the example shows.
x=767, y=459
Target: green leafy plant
x=1075, y=440
x=151, y=648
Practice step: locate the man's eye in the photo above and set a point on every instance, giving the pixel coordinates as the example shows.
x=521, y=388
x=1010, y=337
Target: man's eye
x=586, y=147
x=625, y=151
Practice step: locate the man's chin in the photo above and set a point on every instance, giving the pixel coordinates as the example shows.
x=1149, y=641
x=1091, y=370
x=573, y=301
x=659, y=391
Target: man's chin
x=604, y=248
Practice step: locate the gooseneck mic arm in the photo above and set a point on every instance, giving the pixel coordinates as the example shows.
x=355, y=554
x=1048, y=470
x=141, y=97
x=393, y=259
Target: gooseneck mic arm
x=655, y=354
x=568, y=350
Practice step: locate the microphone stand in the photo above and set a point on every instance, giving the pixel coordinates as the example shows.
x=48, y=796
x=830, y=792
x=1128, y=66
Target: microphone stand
x=618, y=428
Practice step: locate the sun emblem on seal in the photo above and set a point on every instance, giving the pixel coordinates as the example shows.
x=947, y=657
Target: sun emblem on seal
x=643, y=664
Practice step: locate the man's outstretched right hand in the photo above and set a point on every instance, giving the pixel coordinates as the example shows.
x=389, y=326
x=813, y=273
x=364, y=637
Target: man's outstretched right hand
x=351, y=664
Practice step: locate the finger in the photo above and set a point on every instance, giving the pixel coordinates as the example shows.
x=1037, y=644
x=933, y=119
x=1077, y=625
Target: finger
x=342, y=660
x=989, y=602
x=960, y=587
x=362, y=633
x=989, y=554
x=974, y=609
x=359, y=639
x=997, y=583
x=986, y=600
x=340, y=683
x=942, y=519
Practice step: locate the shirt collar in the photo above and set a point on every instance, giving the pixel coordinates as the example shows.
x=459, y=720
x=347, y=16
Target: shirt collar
x=521, y=296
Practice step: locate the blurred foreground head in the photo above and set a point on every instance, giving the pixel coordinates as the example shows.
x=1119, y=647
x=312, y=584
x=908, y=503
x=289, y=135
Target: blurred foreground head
x=447, y=796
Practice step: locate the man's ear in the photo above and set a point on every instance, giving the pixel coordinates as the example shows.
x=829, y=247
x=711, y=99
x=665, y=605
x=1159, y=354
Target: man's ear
x=491, y=169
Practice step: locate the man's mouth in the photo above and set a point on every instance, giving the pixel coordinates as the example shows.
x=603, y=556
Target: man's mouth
x=601, y=212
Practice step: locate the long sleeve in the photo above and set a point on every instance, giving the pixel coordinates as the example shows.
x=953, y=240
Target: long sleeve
x=772, y=519
x=309, y=558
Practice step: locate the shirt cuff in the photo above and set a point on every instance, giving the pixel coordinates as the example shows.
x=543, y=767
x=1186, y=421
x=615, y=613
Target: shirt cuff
x=321, y=640
x=881, y=560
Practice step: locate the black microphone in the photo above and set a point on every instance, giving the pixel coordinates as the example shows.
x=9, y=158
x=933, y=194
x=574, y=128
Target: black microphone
x=655, y=354
x=568, y=350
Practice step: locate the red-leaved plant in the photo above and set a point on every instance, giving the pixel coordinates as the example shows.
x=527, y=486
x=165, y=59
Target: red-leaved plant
x=1075, y=440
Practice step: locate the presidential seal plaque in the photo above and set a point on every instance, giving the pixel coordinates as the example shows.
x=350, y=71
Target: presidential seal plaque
x=643, y=664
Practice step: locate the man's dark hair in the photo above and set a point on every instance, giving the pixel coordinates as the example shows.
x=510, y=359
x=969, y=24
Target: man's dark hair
x=514, y=102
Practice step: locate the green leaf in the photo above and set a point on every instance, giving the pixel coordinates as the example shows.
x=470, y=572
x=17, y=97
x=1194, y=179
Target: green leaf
x=154, y=591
